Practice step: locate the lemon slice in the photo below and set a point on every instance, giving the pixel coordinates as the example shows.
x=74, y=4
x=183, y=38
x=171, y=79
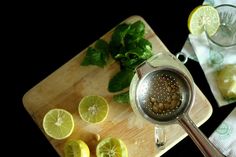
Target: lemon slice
x=76, y=149
x=111, y=147
x=93, y=109
x=203, y=18
x=58, y=123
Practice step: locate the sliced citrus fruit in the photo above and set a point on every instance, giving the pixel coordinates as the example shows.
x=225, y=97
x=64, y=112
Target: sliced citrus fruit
x=93, y=109
x=203, y=18
x=58, y=123
x=77, y=148
x=111, y=147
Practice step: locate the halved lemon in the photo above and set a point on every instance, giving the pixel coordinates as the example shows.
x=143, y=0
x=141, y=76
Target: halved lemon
x=203, y=18
x=93, y=109
x=76, y=148
x=58, y=123
x=111, y=147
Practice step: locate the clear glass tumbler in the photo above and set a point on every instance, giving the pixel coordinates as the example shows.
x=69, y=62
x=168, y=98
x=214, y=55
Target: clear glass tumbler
x=225, y=37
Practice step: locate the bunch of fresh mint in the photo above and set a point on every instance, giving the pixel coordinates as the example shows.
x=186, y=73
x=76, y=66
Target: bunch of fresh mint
x=127, y=46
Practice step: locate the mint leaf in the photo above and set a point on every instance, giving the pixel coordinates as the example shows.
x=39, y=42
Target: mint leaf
x=122, y=97
x=121, y=80
x=97, y=55
x=137, y=29
x=102, y=45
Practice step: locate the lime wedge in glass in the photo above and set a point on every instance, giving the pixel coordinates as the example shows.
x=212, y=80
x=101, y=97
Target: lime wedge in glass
x=203, y=18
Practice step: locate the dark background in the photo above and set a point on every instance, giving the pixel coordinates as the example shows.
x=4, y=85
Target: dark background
x=48, y=35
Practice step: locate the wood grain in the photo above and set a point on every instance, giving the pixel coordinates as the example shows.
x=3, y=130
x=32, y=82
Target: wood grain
x=65, y=87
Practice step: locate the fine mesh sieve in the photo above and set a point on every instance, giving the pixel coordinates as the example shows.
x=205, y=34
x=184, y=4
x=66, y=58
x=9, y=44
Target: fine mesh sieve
x=164, y=95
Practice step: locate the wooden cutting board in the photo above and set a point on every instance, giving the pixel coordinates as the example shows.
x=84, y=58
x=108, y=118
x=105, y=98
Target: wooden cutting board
x=65, y=87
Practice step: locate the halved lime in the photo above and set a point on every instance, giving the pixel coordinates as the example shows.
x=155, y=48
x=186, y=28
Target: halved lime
x=203, y=18
x=93, y=109
x=111, y=147
x=58, y=123
x=77, y=148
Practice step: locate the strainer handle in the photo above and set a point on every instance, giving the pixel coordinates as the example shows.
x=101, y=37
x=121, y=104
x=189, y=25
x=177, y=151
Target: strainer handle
x=202, y=142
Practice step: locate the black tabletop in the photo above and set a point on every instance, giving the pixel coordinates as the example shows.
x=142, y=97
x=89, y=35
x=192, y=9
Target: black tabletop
x=51, y=34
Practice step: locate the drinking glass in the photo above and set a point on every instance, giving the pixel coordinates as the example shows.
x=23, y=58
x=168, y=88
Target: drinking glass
x=225, y=37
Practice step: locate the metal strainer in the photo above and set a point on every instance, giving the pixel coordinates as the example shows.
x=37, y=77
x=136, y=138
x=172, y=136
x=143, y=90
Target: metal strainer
x=164, y=95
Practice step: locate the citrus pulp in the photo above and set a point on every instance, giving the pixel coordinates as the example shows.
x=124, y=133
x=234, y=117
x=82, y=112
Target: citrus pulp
x=76, y=149
x=58, y=123
x=111, y=147
x=203, y=18
x=93, y=109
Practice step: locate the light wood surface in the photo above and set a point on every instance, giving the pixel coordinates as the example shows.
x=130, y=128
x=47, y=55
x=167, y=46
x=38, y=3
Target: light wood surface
x=65, y=87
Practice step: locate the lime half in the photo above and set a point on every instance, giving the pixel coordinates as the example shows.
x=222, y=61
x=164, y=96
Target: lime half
x=111, y=147
x=58, y=123
x=203, y=18
x=93, y=109
x=76, y=149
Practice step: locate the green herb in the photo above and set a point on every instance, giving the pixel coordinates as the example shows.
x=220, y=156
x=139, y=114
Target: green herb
x=97, y=55
x=117, y=42
x=121, y=80
x=129, y=38
x=129, y=48
x=137, y=30
x=122, y=97
x=102, y=45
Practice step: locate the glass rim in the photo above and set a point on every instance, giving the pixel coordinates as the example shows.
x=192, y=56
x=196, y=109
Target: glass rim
x=217, y=43
x=210, y=38
x=229, y=5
